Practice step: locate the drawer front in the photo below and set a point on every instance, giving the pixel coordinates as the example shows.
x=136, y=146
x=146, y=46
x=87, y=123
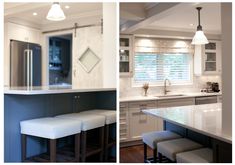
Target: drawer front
x=143, y=104
x=175, y=102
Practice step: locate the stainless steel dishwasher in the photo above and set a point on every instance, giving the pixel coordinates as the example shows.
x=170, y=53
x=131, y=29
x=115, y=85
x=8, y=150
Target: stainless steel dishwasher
x=205, y=100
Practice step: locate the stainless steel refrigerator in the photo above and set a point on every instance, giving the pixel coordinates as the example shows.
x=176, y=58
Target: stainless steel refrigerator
x=25, y=64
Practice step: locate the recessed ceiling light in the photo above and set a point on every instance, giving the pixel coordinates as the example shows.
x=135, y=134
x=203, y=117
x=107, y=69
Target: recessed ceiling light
x=191, y=24
x=35, y=13
x=67, y=7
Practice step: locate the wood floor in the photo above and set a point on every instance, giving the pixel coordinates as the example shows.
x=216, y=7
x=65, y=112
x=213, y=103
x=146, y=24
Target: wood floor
x=133, y=154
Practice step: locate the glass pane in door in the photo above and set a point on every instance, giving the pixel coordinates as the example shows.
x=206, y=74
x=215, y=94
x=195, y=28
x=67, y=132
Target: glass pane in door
x=210, y=66
x=210, y=56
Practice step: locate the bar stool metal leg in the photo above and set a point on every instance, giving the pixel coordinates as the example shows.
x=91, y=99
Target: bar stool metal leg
x=83, y=147
x=23, y=147
x=52, y=150
x=101, y=143
x=160, y=157
x=155, y=155
x=145, y=153
x=106, y=137
x=77, y=147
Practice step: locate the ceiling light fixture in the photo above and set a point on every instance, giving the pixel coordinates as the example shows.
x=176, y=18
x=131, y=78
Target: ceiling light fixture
x=199, y=38
x=67, y=7
x=56, y=13
x=35, y=13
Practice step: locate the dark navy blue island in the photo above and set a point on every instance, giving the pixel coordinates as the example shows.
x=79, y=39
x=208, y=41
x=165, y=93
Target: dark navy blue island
x=24, y=103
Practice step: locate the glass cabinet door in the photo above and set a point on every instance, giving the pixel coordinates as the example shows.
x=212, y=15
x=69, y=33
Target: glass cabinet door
x=124, y=60
x=210, y=63
x=125, y=52
x=210, y=57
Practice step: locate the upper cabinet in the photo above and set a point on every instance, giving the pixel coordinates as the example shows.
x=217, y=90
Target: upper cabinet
x=207, y=59
x=125, y=55
x=22, y=33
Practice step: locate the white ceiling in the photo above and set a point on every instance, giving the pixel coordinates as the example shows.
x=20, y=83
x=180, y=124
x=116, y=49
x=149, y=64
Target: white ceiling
x=24, y=11
x=180, y=18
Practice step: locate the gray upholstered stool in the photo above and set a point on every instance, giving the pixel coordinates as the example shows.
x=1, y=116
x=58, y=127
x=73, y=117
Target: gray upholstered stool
x=204, y=155
x=110, y=119
x=172, y=147
x=153, y=138
x=89, y=122
x=52, y=129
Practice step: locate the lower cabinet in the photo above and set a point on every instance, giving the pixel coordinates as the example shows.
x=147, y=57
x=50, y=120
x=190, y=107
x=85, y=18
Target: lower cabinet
x=139, y=122
x=175, y=102
x=133, y=122
x=124, y=120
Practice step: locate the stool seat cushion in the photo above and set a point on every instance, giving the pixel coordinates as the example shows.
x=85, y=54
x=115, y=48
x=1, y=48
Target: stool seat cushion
x=50, y=127
x=152, y=138
x=204, y=155
x=172, y=147
x=89, y=121
x=110, y=115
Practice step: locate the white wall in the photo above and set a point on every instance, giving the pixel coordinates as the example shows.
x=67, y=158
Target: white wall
x=199, y=82
x=226, y=21
x=109, y=44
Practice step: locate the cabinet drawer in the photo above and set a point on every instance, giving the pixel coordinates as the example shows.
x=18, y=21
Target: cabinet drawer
x=176, y=102
x=143, y=104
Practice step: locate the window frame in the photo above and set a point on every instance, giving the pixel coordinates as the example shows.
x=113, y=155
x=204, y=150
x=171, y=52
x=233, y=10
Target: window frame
x=158, y=84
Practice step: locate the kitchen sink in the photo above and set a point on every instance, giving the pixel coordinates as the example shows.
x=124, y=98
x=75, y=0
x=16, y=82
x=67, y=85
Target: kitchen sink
x=165, y=96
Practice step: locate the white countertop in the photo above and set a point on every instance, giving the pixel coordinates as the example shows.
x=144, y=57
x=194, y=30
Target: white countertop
x=205, y=119
x=51, y=90
x=155, y=97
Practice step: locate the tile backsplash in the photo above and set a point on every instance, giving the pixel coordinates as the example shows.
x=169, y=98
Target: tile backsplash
x=199, y=82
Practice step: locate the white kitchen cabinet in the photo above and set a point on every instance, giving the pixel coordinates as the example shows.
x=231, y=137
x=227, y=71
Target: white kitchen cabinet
x=219, y=99
x=139, y=122
x=207, y=59
x=125, y=55
x=123, y=121
x=23, y=33
x=175, y=102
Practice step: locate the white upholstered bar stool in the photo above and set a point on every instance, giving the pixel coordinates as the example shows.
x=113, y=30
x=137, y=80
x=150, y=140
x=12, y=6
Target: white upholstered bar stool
x=50, y=128
x=172, y=147
x=151, y=139
x=89, y=122
x=110, y=119
x=204, y=155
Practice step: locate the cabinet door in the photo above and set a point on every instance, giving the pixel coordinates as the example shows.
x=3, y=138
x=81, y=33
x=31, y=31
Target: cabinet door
x=23, y=33
x=212, y=58
x=139, y=122
x=123, y=121
x=219, y=99
x=125, y=55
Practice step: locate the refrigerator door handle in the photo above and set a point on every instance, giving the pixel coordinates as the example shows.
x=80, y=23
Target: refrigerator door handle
x=27, y=66
x=31, y=67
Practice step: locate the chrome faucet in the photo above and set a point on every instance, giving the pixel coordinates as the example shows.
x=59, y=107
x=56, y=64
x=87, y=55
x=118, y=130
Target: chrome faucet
x=165, y=90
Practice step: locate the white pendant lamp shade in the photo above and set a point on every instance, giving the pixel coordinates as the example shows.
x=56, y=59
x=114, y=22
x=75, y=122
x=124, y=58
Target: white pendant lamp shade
x=199, y=38
x=55, y=13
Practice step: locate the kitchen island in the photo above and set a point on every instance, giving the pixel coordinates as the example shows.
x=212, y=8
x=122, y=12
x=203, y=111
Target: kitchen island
x=23, y=103
x=201, y=123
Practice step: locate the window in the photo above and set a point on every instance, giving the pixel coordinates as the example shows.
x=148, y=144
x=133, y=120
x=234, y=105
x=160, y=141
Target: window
x=155, y=67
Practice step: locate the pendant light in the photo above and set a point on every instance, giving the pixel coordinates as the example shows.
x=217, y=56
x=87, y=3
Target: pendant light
x=199, y=38
x=55, y=13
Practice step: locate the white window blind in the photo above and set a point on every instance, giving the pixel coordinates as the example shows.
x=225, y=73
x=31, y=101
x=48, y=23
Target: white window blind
x=155, y=67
